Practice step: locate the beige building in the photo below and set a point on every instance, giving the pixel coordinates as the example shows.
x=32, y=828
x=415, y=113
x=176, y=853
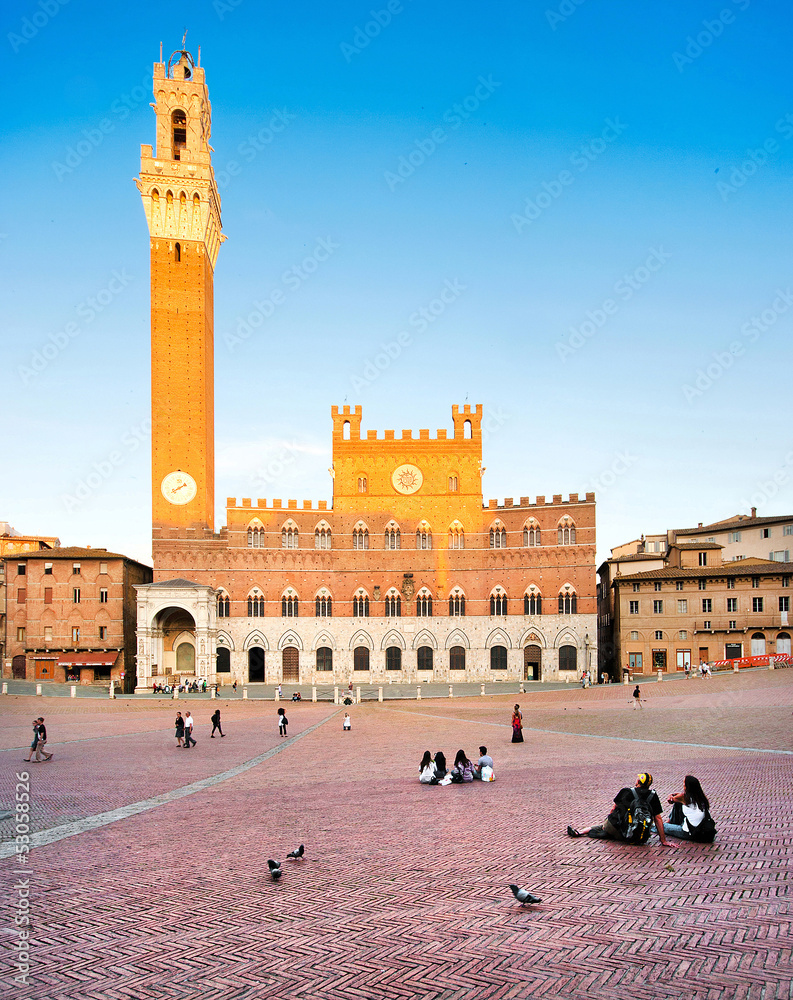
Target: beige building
x=696, y=607
x=71, y=615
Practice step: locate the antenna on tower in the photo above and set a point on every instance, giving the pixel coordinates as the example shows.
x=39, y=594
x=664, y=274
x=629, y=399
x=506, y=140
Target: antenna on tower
x=160, y=51
x=184, y=38
x=199, y=56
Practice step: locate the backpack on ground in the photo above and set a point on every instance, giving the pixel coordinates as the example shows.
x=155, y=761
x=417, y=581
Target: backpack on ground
x=637, y=822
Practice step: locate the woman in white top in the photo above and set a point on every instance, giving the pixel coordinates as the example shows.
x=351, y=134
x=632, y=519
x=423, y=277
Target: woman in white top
x=426, y=769
x=695, y=808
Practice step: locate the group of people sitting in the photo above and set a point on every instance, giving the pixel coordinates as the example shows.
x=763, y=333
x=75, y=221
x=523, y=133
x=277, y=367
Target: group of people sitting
x=434, y=770
x=183, y=688
x=637, y=810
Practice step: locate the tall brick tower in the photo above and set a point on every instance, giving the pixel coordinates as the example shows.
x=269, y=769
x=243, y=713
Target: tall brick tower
x=182, y=206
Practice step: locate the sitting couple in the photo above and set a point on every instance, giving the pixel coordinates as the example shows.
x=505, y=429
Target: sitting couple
x=637, y=811
x=433, y=770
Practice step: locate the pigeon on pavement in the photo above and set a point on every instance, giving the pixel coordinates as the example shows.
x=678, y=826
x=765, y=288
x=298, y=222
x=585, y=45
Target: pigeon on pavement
x=523, y=896
x=297, y=853
x=275, y=869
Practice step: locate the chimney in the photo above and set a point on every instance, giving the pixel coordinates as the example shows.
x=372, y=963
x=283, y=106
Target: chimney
x=754, y=512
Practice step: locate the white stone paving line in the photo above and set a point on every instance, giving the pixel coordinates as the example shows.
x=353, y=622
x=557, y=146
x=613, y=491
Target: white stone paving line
x=79, y=826
x=594, y=736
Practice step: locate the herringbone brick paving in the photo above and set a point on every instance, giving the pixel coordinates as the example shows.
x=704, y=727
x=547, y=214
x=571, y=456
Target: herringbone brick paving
x=403, y=889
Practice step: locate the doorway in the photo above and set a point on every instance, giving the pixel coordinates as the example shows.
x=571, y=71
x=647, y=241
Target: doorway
x=290, y=663
x=532, y=658
x=256, y=665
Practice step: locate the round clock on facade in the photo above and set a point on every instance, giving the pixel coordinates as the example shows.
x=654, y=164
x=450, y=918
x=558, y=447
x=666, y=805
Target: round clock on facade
x=407, y=479
x=178, y=487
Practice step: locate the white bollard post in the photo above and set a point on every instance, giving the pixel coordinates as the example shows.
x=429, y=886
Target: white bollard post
x=482, y=690
x=418, y=692
x=660, y=675
x=38, y=689
x=379, y=694
x=771, y=663
x=277, y=695
x=358, y=696
x=73, y=693
x=211, y=692
x=5, y=687
x=451, y=691
x=244, y=692
x=736, y=669
x=336, y=694
x=112, y=692
x=314, y=693
x=522, y=690
x=175, y=693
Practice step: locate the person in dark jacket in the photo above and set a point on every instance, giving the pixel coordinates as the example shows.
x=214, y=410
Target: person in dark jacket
x=612, y=827
x=216, y=724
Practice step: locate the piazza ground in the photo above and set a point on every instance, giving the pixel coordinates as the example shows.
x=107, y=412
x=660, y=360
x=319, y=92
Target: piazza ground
x=148, y=875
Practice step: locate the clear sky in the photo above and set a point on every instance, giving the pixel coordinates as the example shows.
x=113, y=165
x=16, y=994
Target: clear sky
x=604, y=189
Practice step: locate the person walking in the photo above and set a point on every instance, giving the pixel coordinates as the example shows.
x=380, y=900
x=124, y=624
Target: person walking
x=283, y=722
x=637, y=697
x=42, y=741
x=346, y=723
x=188, y=731
x=35, y=742
x=179, y=733
x=216, y=724
x=517, y=725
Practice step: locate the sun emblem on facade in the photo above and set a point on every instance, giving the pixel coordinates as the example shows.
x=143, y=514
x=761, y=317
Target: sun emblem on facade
x=407, y=479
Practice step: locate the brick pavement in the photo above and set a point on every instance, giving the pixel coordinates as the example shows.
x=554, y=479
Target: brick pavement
x=403, y=889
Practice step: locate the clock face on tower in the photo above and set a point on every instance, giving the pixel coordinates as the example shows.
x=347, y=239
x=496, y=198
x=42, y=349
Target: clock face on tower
x=178, y=487
x=407, y=479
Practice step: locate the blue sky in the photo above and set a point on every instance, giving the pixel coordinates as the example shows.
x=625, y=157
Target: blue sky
x=611, y=206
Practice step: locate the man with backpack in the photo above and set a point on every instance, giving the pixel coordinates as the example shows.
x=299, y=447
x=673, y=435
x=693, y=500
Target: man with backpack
x=636, y=810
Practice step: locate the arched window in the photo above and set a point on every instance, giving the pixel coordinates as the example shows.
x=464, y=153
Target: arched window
x=177, y=252
x=498, y=603
x=178, y=133
x=424, y=658
x=255, y=605
x=467, y=429
x=568, y=603
x=324, y=658
x=457, y=604
x=457, y=658
x=565, y=533
x=531, y=535
x=360, y=606
x=322, y=537
x=568, y=658
x=360, y=658
x=498, y=538
x=456, y=536
x=363, y=485
x=224, y=606
x=532, y=603
x=289, y=606
x=393, y=658
x=393, y=605
x=393, y=538
x=783, y=643
x=360, y=538
x=423, y=538
x=452, y=484
x=498, y=658
x=758, y=644
x=289, y=537
x=424, y=604
x=345, y=431
x=255, y=537
x=323, y=607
